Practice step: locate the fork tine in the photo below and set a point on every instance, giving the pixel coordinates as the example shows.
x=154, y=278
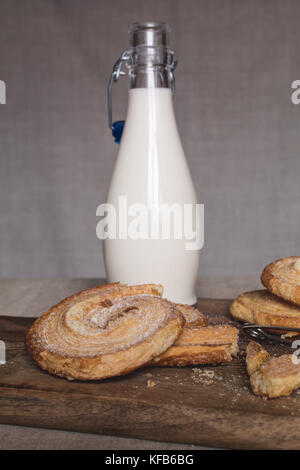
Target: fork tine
x=261, y=332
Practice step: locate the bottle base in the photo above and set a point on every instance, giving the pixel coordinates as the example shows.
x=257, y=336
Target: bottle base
x=187, y=301
x=190, y=300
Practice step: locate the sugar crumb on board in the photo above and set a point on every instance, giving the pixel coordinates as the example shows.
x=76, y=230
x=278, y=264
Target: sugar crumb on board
x=203, y=376
x=151, y=383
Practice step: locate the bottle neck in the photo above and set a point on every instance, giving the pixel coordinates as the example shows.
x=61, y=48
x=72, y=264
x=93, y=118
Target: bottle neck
x=152, y=67
x=154, y=77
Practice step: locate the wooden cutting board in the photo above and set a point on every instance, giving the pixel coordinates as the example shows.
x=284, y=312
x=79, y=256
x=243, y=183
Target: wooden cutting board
x=212, y=406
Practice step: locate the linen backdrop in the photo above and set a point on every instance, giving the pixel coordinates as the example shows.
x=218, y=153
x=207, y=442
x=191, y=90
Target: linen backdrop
x=237, y=59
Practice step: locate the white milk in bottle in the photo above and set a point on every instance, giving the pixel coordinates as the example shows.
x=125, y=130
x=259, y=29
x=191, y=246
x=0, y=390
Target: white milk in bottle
x=151, y=187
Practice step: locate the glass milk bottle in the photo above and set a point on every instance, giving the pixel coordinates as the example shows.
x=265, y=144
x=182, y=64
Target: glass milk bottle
x=151, y=190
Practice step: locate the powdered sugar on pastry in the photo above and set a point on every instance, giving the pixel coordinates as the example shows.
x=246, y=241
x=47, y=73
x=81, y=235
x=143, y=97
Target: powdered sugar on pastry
x=89, y=328
x=99, y=325
x=282, y=278
x=297, y=265
x=271, y=376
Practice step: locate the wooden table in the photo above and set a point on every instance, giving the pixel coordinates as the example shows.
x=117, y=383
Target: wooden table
x=30, y=298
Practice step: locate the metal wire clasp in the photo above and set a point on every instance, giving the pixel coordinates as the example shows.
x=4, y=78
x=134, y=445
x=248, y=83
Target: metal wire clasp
x=173, y=66
x=116, y=73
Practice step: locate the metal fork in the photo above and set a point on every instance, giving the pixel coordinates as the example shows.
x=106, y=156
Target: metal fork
x=261, y=333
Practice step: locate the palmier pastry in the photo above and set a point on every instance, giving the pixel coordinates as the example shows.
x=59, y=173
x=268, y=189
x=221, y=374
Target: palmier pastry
x=104, y=332
x=199, y=342
x=263, y=308
x=256, y=356
x=213, y=344
x=193, y=317
x=282, y=278
x=272, y=376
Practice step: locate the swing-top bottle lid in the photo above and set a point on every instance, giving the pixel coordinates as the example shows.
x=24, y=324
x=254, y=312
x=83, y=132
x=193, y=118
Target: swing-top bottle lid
x=149, y=34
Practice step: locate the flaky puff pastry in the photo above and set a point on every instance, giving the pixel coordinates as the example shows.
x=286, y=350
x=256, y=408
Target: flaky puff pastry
x=271, y=377
x=103, y=332
x=212, y=344
x=282, y=278
x=263, y=308
x=199, y=343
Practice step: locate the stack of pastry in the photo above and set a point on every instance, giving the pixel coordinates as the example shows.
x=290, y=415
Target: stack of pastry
x=114, y=329
x=278, y=305
x=272, y=376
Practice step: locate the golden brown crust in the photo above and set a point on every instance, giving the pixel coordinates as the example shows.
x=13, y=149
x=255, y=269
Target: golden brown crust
x=263, y=308
x=204, y=345
x=272, y=377
x=181, y=356
x=256, y=355
x=104, y=331
x=282, y=278
x=278, y=377
x=193, y=317
x=212, y=335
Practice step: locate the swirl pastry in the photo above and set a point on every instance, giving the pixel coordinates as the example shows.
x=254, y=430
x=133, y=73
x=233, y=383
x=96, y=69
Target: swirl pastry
x=212, y=344
x=199, y=342
x=271, y=377
x=193, y=317
x=282, y=278
x=263, y=308
x=104, y=332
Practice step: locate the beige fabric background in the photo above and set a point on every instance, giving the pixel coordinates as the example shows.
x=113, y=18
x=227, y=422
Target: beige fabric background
x=237, y=59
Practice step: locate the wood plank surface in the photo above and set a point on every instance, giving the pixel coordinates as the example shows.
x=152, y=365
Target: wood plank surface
x=205, y=405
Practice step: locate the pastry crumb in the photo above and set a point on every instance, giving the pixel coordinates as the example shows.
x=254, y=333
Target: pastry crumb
x=151, y=383
x=289, y=334
x=204, y=377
